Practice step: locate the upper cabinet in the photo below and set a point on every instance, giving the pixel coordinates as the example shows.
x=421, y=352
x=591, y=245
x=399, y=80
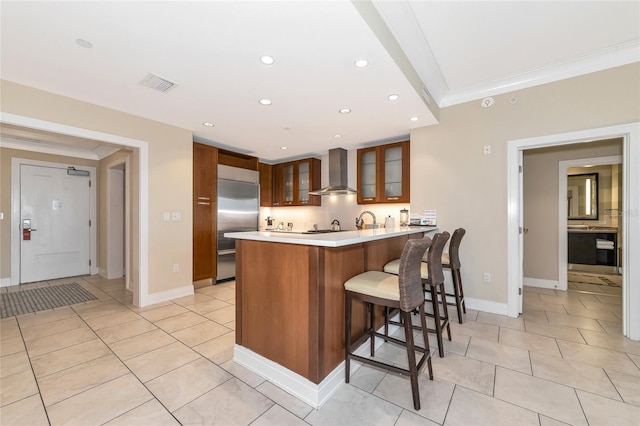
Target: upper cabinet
x=383, y=174
x=266, y=184
x=292, y=182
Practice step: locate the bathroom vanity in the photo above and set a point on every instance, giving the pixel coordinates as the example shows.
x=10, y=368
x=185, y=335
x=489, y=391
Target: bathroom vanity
x=593, y=246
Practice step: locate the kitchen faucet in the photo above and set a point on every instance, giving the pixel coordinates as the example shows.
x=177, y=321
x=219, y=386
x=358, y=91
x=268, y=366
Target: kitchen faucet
x=360, y=221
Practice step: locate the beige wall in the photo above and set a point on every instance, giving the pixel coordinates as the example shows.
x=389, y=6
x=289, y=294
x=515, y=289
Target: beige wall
x=540, y=185
x=170, y=171
x=6, y=155
x=450, y=173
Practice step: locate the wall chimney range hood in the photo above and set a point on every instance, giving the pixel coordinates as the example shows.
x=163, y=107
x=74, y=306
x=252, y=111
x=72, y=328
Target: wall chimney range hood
x=337, y=175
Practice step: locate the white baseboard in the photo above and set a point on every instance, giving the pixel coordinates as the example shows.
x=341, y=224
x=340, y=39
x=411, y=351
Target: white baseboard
x=540, y=283
x=304, y=389
x=486, y=306
x=163, y=296
x=5, y=282
x=313, y=394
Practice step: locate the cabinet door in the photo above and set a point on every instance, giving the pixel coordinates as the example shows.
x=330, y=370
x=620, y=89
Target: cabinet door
x=383, y=174
x=287, y=184
x=204, y=171
x=303, y=179
x=266, y=185
x=278, y=185
x=367, y=175
x=204, y=241
x=394, y=159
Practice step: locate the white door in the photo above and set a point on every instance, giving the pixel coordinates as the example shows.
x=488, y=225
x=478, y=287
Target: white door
x=55, y=223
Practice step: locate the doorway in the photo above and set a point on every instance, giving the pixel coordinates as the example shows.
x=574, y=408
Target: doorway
x=603, y=228
x=117, y=221
x=140, y=241
x=630, y=133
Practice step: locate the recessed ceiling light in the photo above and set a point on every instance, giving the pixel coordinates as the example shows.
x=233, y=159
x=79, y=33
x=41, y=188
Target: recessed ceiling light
x=284, y=148
x=207, y=124
x=337, y=136
x=393, y=97
x=361, y=63
x=264, y=102
x=267, y=60
x=344, y=110
x=414, y=119
x=84, y=43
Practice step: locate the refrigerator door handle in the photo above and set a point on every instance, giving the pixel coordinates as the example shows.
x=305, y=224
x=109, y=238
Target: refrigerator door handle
x=225, y=252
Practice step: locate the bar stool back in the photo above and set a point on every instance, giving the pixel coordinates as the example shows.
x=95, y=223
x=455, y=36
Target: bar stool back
x=403, y=292
x=452, y=261
x=433, y=279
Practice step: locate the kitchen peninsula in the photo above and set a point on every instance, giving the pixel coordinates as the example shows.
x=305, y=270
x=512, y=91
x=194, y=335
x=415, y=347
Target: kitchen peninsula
x=290, y=301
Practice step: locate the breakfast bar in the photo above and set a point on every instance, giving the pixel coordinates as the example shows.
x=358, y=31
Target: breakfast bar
x=290, y=301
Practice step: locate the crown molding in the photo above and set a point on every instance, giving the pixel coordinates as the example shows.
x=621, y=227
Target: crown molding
x=620, y=55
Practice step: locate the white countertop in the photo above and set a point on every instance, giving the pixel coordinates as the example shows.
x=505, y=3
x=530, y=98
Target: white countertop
x=329, y=239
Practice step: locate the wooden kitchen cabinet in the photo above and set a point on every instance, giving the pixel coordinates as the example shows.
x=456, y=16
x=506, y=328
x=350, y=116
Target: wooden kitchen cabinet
x=205, y=160
x=293, y=180
x=383, y=174
x=266, y=184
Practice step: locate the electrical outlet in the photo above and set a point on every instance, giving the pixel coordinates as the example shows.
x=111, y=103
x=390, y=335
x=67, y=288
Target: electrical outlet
x=487, y=149
x=176, y=267
x=175, y=216
x=486, y=277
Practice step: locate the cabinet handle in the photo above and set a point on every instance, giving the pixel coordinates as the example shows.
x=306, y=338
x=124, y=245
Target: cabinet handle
x=202, y=203
x=368, y=199
x=393, y=198
x=204, y=198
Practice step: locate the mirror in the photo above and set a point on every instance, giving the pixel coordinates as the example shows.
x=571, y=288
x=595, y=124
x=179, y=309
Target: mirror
x=582, y=196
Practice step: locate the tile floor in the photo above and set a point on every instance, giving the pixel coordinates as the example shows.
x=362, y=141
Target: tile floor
x=563, y=361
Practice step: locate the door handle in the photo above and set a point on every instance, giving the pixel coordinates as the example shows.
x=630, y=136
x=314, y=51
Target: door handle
x=26, y=229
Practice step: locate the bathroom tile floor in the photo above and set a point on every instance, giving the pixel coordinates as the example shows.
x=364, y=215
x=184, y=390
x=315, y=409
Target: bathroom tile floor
x=563, y=361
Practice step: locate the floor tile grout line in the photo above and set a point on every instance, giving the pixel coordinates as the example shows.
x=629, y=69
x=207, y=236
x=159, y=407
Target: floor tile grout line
x=134, y=375
x=35, y=379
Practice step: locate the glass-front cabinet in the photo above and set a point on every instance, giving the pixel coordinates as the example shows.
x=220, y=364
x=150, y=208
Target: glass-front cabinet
x=303, y=182
x=383, y=174
x=293, y=180
x=287, y=189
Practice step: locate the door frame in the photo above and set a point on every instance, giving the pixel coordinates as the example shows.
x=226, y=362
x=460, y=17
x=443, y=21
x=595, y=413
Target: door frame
x=121, y=164
x=141, y=295
x=630, y=133
x=16, y=183
x=563, y=166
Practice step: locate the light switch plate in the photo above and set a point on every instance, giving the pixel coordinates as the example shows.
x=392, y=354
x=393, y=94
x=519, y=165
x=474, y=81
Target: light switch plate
x=175, y=216
x=165, y=217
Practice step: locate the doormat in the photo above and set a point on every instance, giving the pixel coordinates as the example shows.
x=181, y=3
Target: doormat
x=41, y=299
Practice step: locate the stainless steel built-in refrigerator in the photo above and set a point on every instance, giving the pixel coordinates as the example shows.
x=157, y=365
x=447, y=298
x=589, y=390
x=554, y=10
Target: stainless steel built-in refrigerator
x=238, y=210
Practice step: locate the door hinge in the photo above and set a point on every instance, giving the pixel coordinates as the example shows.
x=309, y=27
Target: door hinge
x=89, y=223
x=89, y=183
x=89, y=262
x=519, y=169
x=519, y=229
x=520, y=291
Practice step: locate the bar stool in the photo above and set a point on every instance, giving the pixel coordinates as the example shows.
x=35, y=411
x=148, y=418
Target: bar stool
x=403, y=292
x=433, y=276
x=451, y=261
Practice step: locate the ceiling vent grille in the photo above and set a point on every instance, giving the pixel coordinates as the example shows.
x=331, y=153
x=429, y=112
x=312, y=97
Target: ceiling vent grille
x=158, y=83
